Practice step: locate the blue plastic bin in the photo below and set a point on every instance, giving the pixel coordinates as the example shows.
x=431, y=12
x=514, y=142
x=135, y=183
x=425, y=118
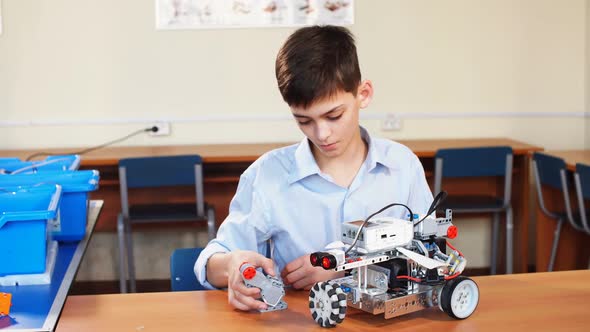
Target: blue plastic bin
x=24, y=213
x=71, y=221
x=52, y=163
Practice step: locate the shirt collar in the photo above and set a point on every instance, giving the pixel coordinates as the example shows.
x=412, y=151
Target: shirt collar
x=305, y=164
x=376, y=154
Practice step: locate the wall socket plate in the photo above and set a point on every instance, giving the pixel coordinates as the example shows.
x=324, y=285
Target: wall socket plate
x=391, y=122
x=163, y=129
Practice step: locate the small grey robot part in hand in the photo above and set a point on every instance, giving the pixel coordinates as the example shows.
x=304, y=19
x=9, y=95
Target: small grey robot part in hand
x=271, y=288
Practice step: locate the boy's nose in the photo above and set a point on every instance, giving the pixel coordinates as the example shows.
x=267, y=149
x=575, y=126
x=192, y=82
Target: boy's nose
x=323, y=131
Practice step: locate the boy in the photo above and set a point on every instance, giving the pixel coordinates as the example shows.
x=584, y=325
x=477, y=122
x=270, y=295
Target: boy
x=298, y=196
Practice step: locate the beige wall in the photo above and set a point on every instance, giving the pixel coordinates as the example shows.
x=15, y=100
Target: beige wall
x=78, y=73
x=88, y=62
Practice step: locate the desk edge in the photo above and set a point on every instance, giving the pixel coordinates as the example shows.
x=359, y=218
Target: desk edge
x=60, y=298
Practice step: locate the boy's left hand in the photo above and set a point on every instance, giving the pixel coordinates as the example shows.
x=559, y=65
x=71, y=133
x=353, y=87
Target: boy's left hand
x=302, y=275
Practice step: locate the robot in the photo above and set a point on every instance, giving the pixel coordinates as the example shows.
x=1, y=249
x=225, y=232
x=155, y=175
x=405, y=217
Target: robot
x=394, y=267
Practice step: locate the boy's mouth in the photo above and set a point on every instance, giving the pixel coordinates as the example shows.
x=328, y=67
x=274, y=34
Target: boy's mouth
x=328, y=147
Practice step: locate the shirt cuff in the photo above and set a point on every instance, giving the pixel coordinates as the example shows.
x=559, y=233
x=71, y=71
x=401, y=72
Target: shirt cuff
x=201, y=263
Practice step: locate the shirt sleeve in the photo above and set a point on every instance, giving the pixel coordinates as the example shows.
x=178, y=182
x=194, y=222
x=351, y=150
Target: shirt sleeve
x=420, y=194
x=245, y=228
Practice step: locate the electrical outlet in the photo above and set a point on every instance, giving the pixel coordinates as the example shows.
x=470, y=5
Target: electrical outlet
x=391, y=122
x=163, y=129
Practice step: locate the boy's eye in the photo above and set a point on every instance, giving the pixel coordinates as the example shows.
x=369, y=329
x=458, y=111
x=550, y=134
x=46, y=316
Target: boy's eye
x=335, y=117
x=303, y=123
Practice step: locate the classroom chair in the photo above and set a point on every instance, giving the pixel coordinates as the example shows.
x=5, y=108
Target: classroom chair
x=551, y=171
x=582, y=183
x=182, y=274
x=154, y=172
x=480, y=162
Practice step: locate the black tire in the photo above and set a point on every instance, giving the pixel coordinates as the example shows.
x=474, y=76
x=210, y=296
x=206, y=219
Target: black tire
x=327, y=304
x=459, y=297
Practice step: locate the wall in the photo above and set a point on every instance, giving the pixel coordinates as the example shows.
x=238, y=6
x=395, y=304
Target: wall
x=78, y=73
x=102, y=68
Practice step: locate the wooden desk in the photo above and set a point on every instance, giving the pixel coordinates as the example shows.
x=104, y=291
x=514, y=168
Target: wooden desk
x=554, y=301
x=573, y=251
x=223, y=164
x=223, y=153
x=572, y=157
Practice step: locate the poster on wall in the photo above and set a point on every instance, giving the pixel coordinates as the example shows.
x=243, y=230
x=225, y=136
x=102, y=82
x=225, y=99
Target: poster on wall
x=218, y=14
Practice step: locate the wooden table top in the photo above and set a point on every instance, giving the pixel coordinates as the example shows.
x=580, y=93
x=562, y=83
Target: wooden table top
x=224, y=153
x=572, y=157
x=555, y=301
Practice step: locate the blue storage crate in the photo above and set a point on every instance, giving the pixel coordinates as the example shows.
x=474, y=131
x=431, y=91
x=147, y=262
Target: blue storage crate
x=24, y=214
x=52, y=163
x=70, y=224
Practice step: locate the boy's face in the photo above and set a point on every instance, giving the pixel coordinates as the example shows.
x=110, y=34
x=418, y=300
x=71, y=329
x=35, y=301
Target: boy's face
x=332, y=124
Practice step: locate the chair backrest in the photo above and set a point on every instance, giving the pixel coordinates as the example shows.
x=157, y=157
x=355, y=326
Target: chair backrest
x=162, y=171
x=550, y=171
x=474, y=162
x=182, y=275
x=583, y=172
x=146, y=172
x=582, y=180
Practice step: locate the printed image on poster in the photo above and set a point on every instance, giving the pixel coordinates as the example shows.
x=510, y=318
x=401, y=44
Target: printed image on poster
x=214, y=14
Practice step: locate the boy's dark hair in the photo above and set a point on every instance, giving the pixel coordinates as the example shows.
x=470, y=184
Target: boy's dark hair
x=316, y=63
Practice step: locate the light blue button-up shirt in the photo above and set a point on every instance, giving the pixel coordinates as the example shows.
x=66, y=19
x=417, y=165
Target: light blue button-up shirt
x=283, y=196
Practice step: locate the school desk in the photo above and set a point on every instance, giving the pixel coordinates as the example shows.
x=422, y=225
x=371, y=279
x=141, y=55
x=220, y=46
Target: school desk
x=223, y=164
x=37, y=307
x=573, y=251
x=556, y=301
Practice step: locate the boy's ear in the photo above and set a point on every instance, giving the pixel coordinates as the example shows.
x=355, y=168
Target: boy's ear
x=365, y=93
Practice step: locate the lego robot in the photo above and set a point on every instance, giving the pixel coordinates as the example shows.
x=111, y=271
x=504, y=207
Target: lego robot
x=396, y=267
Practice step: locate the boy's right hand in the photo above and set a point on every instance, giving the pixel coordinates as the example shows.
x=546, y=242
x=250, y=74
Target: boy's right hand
x=240, y=296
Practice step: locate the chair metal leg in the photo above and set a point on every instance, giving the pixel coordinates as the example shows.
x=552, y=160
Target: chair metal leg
x=509, y=242
x=122, y=260
x=555, y=244
x=495, y=236
x=211, y=223
x=130, y=260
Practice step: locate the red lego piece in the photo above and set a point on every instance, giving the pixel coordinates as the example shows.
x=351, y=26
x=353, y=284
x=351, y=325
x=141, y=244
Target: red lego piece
x=249, y=272
x=452, y=232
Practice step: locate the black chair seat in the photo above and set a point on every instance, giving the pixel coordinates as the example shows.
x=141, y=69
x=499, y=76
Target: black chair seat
x=160, y=212
x=472, y=202
x=563, y=216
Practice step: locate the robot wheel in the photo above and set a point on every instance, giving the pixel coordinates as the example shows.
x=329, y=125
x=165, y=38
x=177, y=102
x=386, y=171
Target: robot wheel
x=327, y=304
